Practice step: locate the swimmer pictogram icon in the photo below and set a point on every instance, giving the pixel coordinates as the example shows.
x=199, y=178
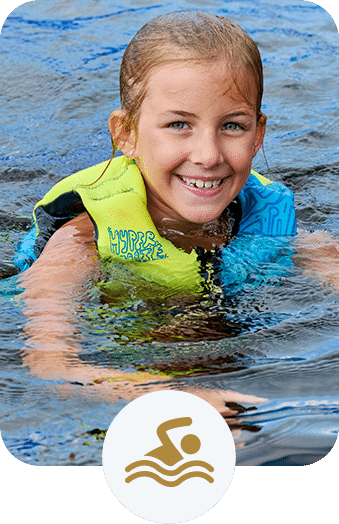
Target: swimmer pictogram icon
x=169, y=455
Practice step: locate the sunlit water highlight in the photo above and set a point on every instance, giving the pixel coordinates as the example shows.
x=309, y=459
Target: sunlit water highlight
x=279, y=339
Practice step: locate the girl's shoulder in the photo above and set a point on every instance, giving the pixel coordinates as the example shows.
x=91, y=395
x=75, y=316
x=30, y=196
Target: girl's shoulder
x=267, y=208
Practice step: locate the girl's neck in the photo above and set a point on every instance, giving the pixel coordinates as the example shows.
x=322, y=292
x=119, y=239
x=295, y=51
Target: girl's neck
x=188, y=235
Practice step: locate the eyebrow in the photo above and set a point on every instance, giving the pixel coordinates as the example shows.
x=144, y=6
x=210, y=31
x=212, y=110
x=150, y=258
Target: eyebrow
x=238, y=113
x=179, y=113
x=192, y=115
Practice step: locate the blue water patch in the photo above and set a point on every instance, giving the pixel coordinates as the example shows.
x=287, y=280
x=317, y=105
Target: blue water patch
x=268, y=330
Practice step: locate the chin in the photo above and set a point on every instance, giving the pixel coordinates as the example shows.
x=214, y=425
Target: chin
x=203, y=217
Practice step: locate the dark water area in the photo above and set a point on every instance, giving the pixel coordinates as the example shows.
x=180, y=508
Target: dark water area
x=275, y=336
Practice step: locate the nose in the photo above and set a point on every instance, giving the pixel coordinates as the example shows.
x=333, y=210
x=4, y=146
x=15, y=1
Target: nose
x=206, y=150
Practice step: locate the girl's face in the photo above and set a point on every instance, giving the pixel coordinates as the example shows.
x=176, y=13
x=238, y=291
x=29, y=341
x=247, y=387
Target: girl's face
x=196, y=139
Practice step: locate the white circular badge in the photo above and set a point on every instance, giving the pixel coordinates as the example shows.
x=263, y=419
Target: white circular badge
x=169, y=456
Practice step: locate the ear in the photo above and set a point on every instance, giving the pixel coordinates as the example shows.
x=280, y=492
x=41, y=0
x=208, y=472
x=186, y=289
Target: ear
x=122, y=133
x=260, y=133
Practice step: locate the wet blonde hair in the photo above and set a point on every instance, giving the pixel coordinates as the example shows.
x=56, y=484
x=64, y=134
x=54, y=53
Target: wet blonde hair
x=187, y=36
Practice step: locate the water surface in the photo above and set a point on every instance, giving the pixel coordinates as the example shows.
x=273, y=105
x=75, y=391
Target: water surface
x=279, y=339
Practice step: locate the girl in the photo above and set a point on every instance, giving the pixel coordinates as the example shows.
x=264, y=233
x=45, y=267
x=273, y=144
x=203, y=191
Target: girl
x=189, y=126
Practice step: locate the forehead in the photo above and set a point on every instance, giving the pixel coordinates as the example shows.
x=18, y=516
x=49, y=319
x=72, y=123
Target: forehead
x=189, y=82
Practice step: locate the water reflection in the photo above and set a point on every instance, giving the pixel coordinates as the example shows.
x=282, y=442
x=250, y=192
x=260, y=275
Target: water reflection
x=276, y=341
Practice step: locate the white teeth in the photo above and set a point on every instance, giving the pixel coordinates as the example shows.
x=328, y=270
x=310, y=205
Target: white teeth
x=208, y=184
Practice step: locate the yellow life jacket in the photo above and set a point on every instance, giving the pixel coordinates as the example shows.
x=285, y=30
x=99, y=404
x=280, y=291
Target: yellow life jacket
x=125, y=232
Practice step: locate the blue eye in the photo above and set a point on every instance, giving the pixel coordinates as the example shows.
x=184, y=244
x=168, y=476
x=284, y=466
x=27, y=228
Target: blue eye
x=231, y=126
x=178, y=125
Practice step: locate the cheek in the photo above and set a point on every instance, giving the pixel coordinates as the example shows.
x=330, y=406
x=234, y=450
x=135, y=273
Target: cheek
x=148, y=149
x=166, y=149
x=241, y=153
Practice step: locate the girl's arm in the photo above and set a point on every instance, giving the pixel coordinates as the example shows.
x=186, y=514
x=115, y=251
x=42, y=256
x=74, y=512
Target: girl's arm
x=54, y=288
x=318, y=255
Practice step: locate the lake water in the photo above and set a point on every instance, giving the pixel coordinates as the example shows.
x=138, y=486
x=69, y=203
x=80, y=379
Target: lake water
x=278, y=340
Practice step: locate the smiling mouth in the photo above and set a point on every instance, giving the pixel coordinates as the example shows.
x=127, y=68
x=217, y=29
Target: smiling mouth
x=201, y=184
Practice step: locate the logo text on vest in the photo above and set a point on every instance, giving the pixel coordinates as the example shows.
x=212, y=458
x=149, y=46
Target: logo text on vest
x=135, y=245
